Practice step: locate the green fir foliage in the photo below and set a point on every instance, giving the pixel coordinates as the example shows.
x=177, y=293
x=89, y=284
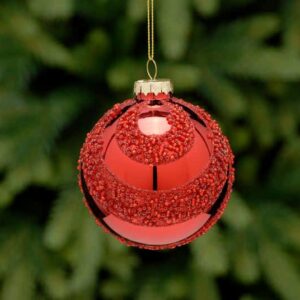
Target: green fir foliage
x=64, y=62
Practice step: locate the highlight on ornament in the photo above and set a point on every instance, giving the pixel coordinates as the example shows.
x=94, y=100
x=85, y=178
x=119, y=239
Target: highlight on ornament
x=156, y=171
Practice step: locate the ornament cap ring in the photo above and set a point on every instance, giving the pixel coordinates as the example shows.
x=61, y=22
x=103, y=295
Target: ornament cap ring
x=156, y=86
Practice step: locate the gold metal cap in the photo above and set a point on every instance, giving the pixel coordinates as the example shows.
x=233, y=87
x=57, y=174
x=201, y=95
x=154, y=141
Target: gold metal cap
x=153, y=86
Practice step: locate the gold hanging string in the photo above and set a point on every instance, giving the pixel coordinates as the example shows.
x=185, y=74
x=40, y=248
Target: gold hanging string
x=151, y=49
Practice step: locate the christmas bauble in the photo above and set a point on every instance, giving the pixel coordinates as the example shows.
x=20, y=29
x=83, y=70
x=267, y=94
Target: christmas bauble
x=156, y=171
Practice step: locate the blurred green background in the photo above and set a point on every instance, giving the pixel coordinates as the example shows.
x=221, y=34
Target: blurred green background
x=64, y=62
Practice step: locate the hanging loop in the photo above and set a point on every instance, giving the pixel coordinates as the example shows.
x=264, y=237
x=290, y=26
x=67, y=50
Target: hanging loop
x=152, y=62
x=151, y=48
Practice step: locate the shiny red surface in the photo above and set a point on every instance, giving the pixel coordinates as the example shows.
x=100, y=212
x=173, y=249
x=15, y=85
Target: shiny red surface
x=156, y=235
x=154, y=125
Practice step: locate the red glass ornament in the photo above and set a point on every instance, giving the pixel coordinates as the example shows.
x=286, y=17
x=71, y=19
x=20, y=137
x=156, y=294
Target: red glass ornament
x=156, y=171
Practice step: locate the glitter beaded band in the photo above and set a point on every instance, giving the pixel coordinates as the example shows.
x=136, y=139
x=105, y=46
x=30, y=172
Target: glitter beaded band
x=155, y=149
